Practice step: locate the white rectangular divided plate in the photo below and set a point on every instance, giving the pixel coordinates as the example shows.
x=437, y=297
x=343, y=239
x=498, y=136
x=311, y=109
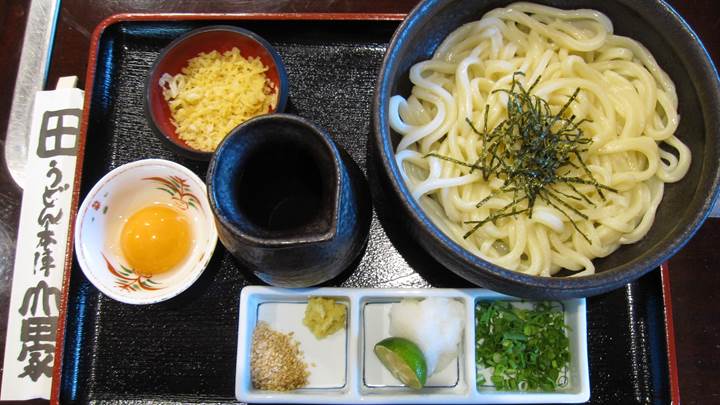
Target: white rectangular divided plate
x=344, y=369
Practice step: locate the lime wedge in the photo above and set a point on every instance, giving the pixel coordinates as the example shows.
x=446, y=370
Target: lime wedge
x=404, y=360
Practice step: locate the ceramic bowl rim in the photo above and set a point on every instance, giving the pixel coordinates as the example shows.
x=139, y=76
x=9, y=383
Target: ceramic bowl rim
x=566, y=286
x=197, y=270
x=186, y=150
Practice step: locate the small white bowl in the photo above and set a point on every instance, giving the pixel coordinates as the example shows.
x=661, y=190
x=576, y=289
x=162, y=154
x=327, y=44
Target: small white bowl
x=105, y=210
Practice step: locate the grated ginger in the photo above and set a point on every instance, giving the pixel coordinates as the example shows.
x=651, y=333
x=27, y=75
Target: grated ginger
x=323, y=316
x=214, y=93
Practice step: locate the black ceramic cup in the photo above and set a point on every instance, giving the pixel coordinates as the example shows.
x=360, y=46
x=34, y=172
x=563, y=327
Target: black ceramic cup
x=285, y=204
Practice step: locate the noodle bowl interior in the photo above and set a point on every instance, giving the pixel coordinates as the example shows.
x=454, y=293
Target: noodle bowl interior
x=533, y=138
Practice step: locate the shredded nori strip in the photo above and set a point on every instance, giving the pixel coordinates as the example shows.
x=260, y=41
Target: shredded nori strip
x=528, y=151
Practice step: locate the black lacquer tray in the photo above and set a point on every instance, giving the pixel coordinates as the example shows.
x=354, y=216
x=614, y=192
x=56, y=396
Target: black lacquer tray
x=184, y=350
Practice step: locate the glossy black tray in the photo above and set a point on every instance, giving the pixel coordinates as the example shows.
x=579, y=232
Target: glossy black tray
x=184, y=350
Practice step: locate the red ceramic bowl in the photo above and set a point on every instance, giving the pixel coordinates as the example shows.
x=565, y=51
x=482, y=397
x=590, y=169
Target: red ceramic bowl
x=174, y=57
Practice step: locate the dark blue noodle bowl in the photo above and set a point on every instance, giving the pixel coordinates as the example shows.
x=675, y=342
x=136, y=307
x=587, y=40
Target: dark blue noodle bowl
x=685, y=204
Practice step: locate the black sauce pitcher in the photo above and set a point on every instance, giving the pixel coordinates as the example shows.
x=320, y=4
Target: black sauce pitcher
x=285, y=204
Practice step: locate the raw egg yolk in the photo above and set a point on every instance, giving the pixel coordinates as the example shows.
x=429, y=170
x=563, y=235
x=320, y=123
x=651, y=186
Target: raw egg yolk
x=155, y=239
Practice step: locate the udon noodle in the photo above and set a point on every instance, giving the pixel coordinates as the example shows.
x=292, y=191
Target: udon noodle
x=626, y=105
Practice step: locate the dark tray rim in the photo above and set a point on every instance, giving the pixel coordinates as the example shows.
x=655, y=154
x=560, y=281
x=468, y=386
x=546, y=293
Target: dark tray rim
x=225, y=17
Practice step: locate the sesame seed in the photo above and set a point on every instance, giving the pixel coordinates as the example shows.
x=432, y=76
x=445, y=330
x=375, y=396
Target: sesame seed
x=276, y=361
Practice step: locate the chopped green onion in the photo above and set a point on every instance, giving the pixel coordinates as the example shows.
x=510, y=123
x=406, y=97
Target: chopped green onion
x=527, y=349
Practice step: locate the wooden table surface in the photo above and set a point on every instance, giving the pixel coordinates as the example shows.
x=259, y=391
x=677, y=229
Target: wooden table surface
x=695, y=279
